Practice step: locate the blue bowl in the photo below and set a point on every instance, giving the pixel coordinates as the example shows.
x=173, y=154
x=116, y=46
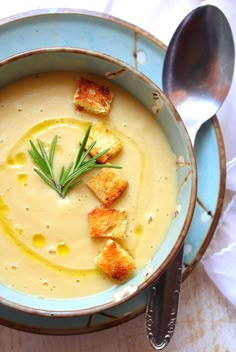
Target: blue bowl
x=82, y=60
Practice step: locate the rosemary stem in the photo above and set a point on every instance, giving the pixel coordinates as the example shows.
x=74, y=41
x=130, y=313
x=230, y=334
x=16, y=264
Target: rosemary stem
x=69, y=175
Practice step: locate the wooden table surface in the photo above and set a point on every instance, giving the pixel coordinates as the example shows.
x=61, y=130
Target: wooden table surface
x=206, y=320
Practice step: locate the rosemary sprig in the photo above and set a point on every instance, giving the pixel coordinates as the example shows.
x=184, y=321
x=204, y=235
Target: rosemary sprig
x=69, y=175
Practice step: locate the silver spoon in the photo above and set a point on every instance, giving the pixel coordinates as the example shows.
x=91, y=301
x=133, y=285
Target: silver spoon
x=197, y=75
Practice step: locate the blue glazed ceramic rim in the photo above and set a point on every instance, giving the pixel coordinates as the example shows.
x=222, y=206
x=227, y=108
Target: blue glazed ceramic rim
x=212, y=129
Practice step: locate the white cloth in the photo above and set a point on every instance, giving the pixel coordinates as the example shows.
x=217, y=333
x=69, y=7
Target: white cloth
x=161, y=18
x=220, y=265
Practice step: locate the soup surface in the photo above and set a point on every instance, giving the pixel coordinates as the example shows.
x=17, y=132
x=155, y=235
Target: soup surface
x=45, y=247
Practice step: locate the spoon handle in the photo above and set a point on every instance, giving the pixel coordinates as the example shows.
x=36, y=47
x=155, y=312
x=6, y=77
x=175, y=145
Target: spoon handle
x=162, y=306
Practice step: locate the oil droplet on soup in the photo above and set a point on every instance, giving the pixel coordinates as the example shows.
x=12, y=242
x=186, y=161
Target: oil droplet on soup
x=138, y=230
x=39, y=240
x=22, y=178
x=18, y=160
x=63, y=249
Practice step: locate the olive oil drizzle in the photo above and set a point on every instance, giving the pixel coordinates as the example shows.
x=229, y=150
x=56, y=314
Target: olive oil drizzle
x=15, y=160
x=13, y=234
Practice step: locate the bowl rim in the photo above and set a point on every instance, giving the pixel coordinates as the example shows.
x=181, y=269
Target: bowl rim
x=192, y=201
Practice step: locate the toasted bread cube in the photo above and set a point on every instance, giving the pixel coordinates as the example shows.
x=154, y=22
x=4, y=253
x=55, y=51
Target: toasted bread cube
x=104, y=139
x=92, y=97
x=115, y=261
x=108, y=223
x=108, y=184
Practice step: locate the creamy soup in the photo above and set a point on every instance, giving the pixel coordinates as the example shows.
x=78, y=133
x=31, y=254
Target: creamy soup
x=45, y=247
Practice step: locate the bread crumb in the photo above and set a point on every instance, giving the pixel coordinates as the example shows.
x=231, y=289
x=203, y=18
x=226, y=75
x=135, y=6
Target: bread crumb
x=108, y=223
x=92, y=97
x=115, y=261
x=108, y=184
x=104, y=139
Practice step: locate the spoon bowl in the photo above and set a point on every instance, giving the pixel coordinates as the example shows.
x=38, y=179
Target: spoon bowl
x=197, y=75
x=199, y=65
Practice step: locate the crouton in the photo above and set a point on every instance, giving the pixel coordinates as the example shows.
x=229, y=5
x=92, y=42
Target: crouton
x=92, y=97
x=108, y=184
x=114, y=260
x=108, y=223
x=104, y=139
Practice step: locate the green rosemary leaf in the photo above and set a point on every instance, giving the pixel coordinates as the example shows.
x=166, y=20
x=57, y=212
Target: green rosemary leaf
x=82, y=147
x=84, y=155
x=34, y=157
x=75, y=184
x=45, y=157
x=97, y=156
x=52, y=151
x=46, y=179
x=40, y=163
x=68, y=186
x=61, y=174
x=65, y=173
x=37, y=154
x=76, y=173
x=111, y=166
